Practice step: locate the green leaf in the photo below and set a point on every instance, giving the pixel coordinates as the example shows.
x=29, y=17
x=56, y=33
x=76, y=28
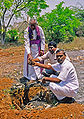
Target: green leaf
x=59, y=23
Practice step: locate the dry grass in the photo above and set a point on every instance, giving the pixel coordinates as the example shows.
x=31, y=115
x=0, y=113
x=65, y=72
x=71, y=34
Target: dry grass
x=77, y=44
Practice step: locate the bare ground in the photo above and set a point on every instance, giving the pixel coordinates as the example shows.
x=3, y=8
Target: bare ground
x=11, y=70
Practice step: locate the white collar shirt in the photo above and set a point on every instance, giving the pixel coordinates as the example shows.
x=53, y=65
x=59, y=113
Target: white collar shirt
x=67, y=74
x=49, y=56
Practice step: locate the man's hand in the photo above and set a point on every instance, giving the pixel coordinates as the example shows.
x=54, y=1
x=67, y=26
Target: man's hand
x=41, y=53
x=43, y=80
x=29, y=57
x=30, y=62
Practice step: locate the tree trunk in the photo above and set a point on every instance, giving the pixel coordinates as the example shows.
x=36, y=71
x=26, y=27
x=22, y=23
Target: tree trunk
x=4, y=33
x=3, y=38
x=0, y=30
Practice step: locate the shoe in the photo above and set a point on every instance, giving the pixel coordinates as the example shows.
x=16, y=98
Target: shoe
x=53, y=99
x=67, y=100
x=24, y=80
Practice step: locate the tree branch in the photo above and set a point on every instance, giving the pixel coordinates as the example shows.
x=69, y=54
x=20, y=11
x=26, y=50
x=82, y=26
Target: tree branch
x=24, y=6
x=17, y=11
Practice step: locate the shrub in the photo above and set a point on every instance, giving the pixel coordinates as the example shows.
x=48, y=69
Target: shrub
x=12, y=35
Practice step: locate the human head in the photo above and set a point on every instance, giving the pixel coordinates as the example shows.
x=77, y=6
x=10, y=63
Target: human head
x=33, y=23
x=60, y=56
x=52, y=47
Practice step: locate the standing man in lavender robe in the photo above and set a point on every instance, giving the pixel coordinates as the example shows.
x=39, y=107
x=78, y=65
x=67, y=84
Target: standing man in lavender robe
x=34, y=47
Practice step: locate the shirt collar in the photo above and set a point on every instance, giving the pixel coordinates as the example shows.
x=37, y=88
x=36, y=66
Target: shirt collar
x=64, y=62
x=56, y=50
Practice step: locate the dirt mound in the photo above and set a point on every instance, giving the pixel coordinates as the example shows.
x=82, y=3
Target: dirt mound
x=8, y=111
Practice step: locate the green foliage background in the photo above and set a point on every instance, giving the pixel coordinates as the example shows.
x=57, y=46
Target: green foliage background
x=59, y=25
x=12, y=35
x=13, y=8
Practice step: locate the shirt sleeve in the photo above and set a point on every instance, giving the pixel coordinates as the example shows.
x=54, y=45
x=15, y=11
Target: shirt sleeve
x=42, y=38
x=67, y=57
x=44, y=57
x=56, y=66
x=27, y=42
x=63, y=74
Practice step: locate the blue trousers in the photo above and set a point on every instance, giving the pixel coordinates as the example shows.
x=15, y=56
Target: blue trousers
x=48, y=72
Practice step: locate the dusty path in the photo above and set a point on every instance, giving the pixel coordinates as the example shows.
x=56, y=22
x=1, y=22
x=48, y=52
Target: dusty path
x=78, y=61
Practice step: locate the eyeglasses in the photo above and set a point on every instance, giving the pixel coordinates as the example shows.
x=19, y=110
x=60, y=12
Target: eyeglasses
x=59, y=56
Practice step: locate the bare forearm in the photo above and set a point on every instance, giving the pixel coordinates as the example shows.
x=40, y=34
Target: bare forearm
x=33, y=63
x=55, y=80
x=43, y=65
x=36, y=60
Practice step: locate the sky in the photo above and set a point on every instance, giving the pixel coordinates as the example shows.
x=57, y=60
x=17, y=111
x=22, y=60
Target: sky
x=67, y=3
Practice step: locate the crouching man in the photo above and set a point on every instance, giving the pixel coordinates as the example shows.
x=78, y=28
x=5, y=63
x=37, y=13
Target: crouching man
x=65, y=85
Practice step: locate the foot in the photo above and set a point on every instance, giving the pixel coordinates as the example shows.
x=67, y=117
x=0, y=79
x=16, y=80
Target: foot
x=67, y=100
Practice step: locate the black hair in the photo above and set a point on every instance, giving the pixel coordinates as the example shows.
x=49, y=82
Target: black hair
x=61, y=50
x=52, y=43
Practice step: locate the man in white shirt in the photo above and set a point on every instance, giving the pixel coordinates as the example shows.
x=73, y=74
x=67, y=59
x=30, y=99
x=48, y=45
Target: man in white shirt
x=50, y=56
x=34, y=46
x=65, y=85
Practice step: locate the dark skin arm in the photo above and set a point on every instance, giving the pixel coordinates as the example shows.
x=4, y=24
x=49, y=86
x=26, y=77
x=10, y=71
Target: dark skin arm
x=43, y=65
x=29, y=57
x=51, y=79
x=36, y=60
x=41, y=53
x=33, y=63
